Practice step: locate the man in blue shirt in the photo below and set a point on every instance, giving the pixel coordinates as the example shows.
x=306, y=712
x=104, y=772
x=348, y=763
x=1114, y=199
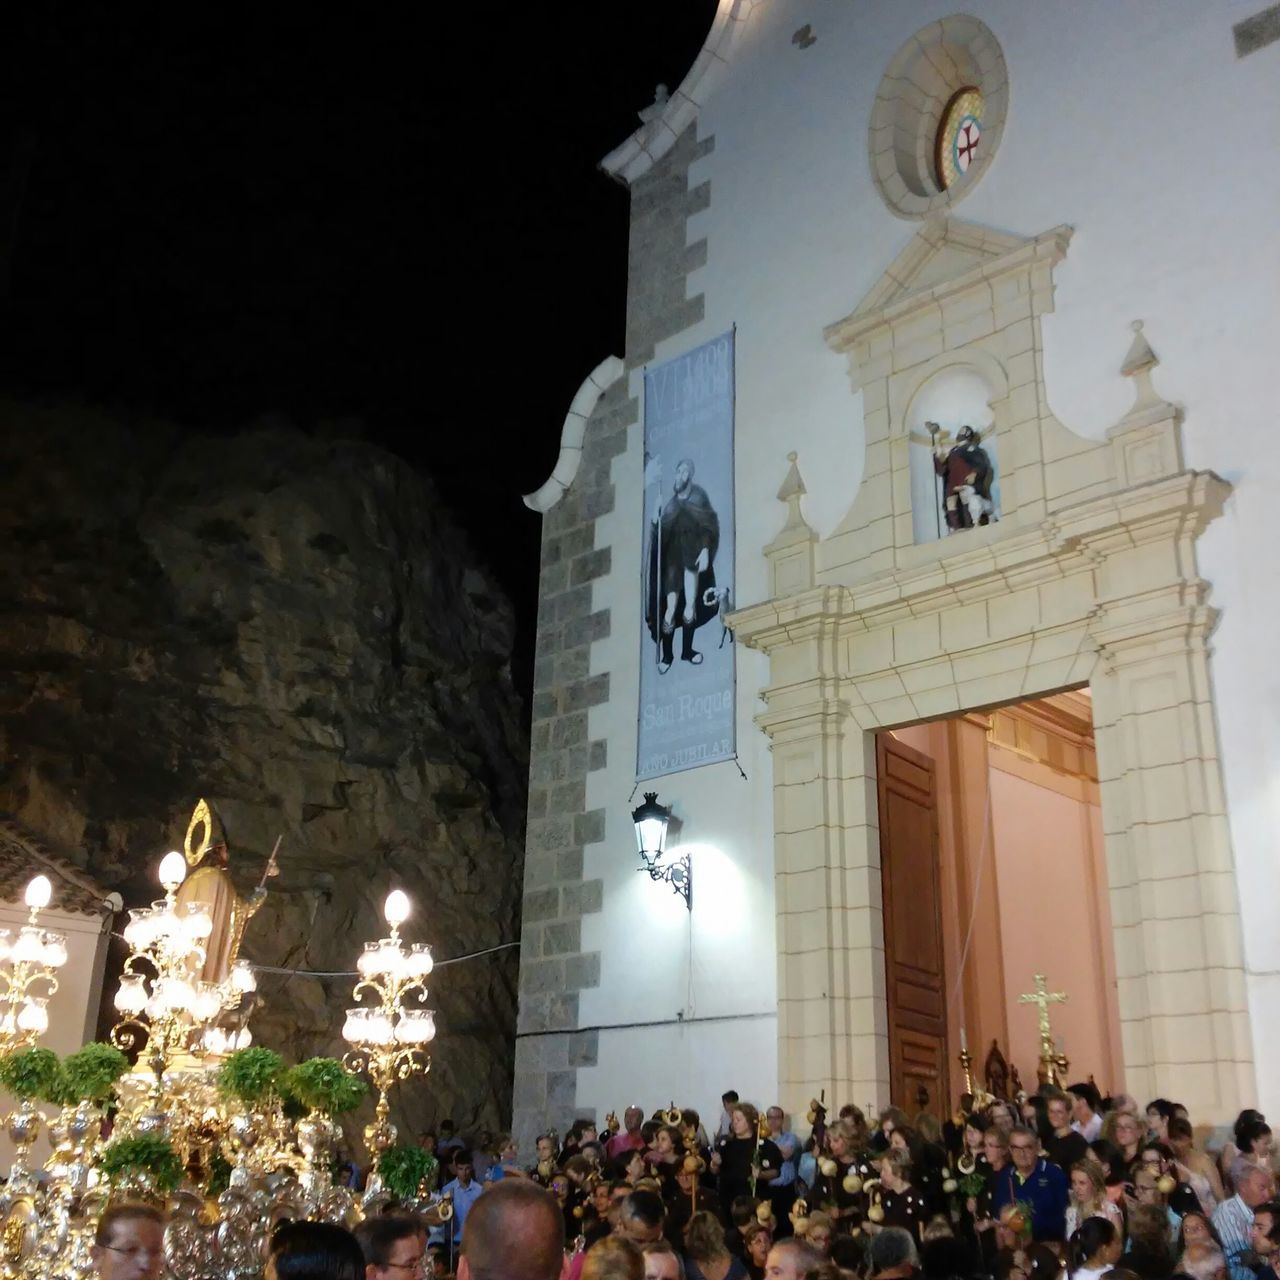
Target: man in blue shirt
x=465, y=1191
x=1233, y=1219
x=1032, y=1181
x=782, y=1190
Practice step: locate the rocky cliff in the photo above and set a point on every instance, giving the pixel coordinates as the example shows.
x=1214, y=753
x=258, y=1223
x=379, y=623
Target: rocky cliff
x=291, y=627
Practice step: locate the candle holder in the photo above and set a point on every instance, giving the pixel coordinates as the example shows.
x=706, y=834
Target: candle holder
x=387, y=1035
x=28, y=978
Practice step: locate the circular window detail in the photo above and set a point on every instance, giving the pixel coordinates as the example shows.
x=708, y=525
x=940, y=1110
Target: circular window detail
x=959, y=133
x=938, y=116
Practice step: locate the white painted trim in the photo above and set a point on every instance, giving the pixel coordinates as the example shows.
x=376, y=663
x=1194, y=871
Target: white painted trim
x=596, y=383
x=635, y=157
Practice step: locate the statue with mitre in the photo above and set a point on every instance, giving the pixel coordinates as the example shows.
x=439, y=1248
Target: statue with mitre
x=209, y=882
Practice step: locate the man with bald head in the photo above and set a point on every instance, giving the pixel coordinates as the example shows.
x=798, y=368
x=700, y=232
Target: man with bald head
x=515, y=1231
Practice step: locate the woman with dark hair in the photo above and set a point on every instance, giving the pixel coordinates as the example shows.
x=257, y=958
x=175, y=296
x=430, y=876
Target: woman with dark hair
x=1094, y=1249
x=1199, y=1252
x=314, y=1251
x=1159, y=1112
x=1113, y=1171
x=926, y=1166
x=1195, y=1167
x=1233, y=1150
x=1085, y=1108
x=1254, y=1140
x=890, y=1119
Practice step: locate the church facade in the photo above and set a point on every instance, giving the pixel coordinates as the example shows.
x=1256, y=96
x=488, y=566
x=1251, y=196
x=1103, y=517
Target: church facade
x=1053, y=227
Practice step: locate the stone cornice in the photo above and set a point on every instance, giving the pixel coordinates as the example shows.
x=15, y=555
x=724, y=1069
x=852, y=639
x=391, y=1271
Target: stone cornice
x=1049, y=247
x=1175, y=508
x=637, y=155
x=573, y=432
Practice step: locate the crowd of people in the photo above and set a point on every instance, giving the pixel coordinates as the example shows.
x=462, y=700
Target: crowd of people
x=1057, y=1186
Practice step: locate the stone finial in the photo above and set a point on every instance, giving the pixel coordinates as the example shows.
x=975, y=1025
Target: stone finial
x=1139, y=361
x=790, y=554
x=1147, y=442
x=661, y=96
x=791, y=492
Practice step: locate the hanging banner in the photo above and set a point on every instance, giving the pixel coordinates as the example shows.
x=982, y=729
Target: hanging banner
x=686, y=652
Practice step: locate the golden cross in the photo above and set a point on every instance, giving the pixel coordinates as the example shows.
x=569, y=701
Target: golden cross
x=1044, y=998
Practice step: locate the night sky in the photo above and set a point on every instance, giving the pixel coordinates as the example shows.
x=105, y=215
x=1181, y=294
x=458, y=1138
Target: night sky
x=387, y=213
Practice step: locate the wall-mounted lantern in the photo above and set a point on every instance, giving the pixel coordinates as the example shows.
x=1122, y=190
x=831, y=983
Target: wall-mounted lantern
x=651, y=822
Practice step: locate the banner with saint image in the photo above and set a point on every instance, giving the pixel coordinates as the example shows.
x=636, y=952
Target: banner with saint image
x=686, y=652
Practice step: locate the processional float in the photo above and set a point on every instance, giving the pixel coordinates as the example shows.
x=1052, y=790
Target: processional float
x=223, y=1135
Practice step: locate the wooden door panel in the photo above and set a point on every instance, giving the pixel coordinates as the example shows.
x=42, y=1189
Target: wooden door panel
x=914, y=970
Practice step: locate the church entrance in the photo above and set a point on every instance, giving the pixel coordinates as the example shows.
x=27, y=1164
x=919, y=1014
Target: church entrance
x=993, y=871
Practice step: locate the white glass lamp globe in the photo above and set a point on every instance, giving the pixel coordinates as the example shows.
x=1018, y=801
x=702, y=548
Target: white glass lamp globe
x=34, y=1015
x=173, y=869
x=55, y=950
x=39, y=891
x=397, y=908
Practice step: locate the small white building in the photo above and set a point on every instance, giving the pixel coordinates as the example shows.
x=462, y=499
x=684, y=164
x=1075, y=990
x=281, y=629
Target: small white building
x=1045, y=744
x=80, y=909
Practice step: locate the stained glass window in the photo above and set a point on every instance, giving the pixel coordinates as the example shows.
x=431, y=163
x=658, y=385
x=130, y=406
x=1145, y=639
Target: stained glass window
x=959, y=136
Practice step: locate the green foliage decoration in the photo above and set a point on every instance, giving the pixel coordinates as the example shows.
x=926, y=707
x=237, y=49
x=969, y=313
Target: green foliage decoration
x=324, y=1085
x=403, y=1168
x=30, y=1073
x=219, y=1175
x=250, y=1075
x=147, y=1153
x=89, y=1075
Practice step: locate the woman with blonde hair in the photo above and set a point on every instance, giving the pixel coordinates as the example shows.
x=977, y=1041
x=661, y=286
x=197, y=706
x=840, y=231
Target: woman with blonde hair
x=1124, y=1130
x=706, y=1255
x=819, y=1230
x=1088, y=1197
x=904, y=1206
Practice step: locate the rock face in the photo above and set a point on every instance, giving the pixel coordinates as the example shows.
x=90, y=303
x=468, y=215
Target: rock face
x=292, y=628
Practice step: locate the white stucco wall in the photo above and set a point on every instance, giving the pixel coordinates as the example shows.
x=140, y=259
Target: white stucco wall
x=1136, y=125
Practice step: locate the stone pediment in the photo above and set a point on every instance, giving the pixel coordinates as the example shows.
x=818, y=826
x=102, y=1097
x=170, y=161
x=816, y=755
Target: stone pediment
x=943, y=257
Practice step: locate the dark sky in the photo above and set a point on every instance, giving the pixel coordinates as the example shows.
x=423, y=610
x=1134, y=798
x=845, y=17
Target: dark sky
x=384, y=212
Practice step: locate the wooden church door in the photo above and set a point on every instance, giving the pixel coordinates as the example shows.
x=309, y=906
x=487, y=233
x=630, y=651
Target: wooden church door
x=914, y=979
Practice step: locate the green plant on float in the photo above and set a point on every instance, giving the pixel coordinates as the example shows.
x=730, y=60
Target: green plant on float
x=147, y=1153
x=219, y=1175
x=324, y=1085
x=89, y=1075
x=403, y=1168
x=250, y=1075
x=30, y=1074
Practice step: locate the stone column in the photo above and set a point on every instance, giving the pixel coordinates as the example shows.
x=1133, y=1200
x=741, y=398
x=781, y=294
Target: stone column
x=832, y=1025
x=1179, y=953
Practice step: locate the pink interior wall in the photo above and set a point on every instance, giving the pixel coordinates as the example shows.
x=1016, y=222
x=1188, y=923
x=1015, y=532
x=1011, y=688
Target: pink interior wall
x=1049, y=877
x=1055, y=920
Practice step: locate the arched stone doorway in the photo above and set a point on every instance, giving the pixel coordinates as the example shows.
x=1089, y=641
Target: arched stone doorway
x=1089, y=578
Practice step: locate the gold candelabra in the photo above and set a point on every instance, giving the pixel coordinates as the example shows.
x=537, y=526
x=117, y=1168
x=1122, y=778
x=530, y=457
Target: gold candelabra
x=163, y=1000
x=387, y=1036
x=28, y=978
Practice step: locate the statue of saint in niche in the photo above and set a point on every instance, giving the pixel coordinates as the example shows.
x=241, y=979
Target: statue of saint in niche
x=966, y=473
x=210, y=882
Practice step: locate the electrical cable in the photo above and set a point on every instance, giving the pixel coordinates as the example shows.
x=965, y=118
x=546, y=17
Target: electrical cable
x=352, y=973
